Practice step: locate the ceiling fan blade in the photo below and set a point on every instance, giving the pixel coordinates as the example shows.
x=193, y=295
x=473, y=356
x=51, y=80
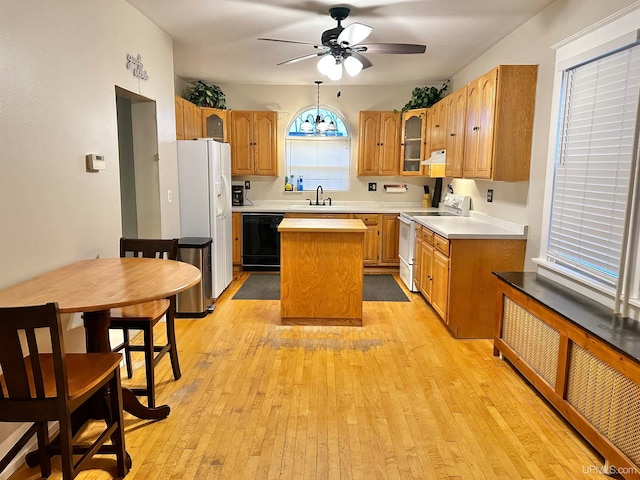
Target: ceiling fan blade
x=354, y=33
x=365, y=61
x=291, y=41
x=391, y=48
x=304, y=57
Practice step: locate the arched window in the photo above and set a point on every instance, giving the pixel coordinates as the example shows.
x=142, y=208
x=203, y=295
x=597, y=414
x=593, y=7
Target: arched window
x=318, y=148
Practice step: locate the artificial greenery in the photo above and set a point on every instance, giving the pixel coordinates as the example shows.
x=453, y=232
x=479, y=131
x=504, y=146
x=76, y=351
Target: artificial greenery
x=205, y=95
x=423, y=97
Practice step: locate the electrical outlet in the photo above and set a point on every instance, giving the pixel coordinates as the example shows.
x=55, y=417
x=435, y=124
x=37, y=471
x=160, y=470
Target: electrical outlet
x=247, y=185
x=490, y=195
x=373, y=187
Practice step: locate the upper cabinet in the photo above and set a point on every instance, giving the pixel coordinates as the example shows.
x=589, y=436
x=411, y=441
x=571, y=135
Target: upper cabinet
x=379, y=143
x=188, y=120
x=456, y=107
x=437, y=126
x=414, y=146
x=499, y=123
x=214, y=123
x=253, y=142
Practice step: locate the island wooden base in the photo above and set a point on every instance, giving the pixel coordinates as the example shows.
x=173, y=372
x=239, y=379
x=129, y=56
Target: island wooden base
x=321, y=276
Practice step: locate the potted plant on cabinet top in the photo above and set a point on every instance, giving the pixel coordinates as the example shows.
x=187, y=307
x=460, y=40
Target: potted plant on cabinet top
x=205, y=95
x=424, y=97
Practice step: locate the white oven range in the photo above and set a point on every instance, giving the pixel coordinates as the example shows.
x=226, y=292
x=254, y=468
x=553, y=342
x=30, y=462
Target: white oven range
x=452, y=205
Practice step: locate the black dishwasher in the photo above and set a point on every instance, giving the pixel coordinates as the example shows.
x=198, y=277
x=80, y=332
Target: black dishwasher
x=261, y=241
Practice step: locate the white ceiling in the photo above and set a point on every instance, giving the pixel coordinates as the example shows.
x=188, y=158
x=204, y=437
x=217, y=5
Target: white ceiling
x=217, y=40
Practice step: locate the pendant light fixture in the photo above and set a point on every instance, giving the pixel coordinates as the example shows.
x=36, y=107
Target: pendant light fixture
x=320, y=124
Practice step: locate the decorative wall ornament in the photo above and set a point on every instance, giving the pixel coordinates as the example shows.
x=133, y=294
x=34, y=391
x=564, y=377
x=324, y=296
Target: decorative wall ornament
x=135, y=65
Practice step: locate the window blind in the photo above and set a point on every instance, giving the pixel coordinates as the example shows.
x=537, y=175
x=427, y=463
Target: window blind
x=593, y=164
x=320, y=160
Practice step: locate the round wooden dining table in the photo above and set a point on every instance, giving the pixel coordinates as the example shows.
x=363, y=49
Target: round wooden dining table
x=94, y=287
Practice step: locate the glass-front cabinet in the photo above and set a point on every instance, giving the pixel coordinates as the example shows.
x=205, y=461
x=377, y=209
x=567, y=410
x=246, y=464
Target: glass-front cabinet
x=214, y=124
x=414, y=141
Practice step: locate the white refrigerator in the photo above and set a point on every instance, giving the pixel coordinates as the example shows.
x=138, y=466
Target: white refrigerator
x=204, y=179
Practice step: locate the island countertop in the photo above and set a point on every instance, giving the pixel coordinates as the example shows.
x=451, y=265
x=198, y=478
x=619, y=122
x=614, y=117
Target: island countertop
x=322, y=225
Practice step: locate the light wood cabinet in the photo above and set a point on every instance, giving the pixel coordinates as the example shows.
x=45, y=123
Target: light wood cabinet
x=379, y=143
x=414, y=144
x=499, y=124
x=417, y=257
x=426, y=267
x=253, y=142
x=440, y=284
x=371, y=242
x=390, y=240
x=455, y=277
x=437, y=126
x=188, y=122
x=236, y=236
x=455, y=138
x=214, y=123
x=179, y=108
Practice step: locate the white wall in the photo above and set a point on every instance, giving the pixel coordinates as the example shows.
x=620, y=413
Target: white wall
x=288, y=100
x=531, y=44
x=60, y=61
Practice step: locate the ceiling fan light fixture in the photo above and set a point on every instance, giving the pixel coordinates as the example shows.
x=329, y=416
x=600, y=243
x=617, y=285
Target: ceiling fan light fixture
x=353, y=66
x=336, y=70
x=325, y=64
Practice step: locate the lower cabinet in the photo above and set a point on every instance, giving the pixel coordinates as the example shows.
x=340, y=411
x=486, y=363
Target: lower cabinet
x=371, y=243
x=455, y=277
x=236, y=237
x=426, y=265
x=390, y=240
x=440, y=284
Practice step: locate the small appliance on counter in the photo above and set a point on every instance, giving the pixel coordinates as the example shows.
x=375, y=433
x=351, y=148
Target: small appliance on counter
x=237, y=195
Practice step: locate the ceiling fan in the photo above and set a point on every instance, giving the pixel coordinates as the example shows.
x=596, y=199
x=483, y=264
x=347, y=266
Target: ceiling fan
x=341, y=46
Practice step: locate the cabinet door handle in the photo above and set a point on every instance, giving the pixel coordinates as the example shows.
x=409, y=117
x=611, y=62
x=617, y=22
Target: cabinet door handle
x=452, y=134
x=476, y=129
x=437, y=125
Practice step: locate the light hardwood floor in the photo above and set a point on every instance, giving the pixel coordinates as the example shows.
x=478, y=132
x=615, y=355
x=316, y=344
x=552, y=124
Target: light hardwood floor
x=396, y=398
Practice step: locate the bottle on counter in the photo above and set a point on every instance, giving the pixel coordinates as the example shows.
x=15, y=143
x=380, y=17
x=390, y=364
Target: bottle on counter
x=300, y=187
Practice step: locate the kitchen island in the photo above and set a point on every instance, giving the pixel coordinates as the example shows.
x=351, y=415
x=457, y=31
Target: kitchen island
x=321, y=271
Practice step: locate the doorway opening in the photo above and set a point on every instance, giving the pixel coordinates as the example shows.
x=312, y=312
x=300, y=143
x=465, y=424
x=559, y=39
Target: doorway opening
x=138, y=158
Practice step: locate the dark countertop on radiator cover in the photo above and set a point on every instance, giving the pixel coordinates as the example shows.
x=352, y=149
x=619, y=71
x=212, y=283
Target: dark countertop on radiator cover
x=621, y=333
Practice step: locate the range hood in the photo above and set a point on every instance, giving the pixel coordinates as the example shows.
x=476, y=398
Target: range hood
x=437, y=157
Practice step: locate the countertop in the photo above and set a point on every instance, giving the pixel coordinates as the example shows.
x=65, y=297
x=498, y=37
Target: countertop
x=476, y=226
x=621, y=333
x=324, y=225
x=279, y=206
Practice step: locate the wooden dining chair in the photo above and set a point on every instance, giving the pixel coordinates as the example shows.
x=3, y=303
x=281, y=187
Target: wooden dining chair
x=145, y=316
x=37, y=388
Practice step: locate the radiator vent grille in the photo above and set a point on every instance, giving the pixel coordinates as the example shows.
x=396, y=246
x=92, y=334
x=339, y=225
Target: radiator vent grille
x=535, y=341
x=607, y=399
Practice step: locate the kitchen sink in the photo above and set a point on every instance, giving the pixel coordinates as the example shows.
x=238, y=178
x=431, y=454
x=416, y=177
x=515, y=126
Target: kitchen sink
x=316, y=207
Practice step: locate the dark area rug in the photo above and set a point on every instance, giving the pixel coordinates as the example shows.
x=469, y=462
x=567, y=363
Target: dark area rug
x=266, y=286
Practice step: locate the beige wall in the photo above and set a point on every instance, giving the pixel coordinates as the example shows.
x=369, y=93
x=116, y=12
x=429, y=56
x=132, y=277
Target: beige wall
x=60, y=63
